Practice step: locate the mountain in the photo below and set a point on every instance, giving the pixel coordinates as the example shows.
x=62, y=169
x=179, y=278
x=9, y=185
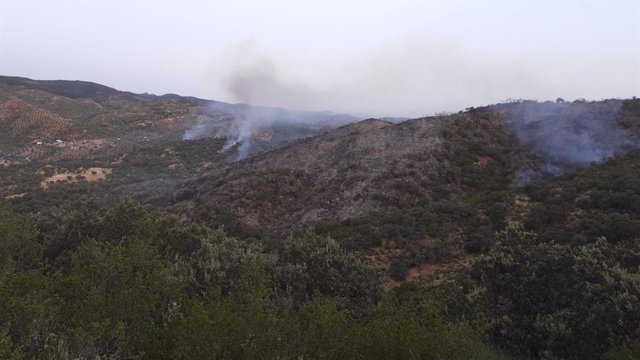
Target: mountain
x=268, y=171
x=373, y=165
x=34, y=111
x=45, y=111
x=505, y=229
x=54, y=131
x=352, y=171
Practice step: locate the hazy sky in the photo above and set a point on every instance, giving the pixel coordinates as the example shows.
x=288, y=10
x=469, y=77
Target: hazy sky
x=380, y=57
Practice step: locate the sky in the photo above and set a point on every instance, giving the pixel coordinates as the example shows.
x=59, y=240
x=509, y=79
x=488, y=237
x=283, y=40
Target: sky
x=376, y=57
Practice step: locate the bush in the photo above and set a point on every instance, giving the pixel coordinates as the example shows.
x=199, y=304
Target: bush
x=549, y=300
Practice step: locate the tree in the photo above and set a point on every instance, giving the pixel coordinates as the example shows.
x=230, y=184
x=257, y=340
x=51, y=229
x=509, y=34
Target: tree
x=312, y=263
x=118, y=300
x=550, y=300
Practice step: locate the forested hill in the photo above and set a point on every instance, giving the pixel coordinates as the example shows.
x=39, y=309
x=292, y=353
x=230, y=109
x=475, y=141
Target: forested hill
x=88, y=280
x=152, y=227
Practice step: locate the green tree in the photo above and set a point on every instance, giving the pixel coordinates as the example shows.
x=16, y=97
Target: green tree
x=118, y=300
x=550, y=300
x=310, y=264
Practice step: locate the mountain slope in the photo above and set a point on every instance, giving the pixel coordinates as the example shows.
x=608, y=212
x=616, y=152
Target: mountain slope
x=374, y=166
x=359, y=169
x=53, y=131
x=37, y=111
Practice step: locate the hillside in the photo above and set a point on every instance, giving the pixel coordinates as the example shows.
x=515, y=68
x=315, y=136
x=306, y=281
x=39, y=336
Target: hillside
x=95, y=119
x=372, y=166
x=380, y=187
x=420, y=197
x=504, y=231
x=53, y=131
x=45, y=111
x=352, y=171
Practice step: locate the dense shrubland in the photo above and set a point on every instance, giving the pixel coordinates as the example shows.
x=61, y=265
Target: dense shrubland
x=553, y=268
x=558, y=276
x=90, y=280
x=122, y=281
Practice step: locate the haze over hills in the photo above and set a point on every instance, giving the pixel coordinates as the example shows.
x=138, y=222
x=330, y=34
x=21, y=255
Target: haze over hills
x=306, y=180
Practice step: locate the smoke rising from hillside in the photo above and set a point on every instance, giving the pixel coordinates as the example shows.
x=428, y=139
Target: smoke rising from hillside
x=226, y=121
x=204, y=127
x=256, y=77
x=242, y=125
x=569, y=136
x=420, y=77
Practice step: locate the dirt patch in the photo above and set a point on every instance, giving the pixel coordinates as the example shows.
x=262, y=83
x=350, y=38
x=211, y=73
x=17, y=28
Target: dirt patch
x=263, y=135
x=119, y=160
x=95, y=143
x=425, y=271
x=89, y=174
x=204, y=165
x=482, y=161
x=522, y=205
x=14, y=196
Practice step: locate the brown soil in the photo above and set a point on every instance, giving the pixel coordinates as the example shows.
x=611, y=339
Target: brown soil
x=483, y=161
x=425, y=271
x=90, y=174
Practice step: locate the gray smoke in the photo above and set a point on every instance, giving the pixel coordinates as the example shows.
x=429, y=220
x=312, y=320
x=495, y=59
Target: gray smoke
x=253, y=77
x=568, y=136
x=221, y=120
x=243, y=126
x=207, y=126
x=413, y=77
x=256, y=76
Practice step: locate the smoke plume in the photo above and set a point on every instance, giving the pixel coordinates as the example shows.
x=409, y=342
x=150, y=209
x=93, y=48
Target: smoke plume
x=413, y=77
x=257, y=77
x=568, y=136
x=206, y=126
x=244, y=125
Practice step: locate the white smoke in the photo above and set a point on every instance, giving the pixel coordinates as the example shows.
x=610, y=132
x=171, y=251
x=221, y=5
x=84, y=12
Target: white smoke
x=203, y=128
x=245, y=127
x=568, y=136
x=240, y=124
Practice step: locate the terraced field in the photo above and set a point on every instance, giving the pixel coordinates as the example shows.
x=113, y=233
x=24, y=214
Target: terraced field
x=24, y=121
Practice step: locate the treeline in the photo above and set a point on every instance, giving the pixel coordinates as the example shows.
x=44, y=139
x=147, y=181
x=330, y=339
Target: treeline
x=122, y=282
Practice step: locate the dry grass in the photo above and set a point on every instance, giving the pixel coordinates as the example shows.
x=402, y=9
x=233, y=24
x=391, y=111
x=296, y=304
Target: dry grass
x=15, y=196
x=89, y=174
